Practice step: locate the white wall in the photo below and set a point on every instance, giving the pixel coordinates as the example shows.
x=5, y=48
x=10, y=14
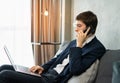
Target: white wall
x=108, y=30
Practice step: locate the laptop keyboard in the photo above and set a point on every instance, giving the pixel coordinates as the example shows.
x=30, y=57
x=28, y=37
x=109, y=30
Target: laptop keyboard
x=21, y=68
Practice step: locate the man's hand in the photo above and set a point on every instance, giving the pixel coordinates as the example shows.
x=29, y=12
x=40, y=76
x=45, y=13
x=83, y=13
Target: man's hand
x=37, y=69
x=81, y=37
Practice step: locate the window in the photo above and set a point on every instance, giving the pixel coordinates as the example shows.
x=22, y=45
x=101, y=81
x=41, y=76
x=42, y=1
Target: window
x=15, y=31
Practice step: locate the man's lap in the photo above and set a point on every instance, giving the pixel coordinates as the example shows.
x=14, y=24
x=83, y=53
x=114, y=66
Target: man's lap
x=7, y=73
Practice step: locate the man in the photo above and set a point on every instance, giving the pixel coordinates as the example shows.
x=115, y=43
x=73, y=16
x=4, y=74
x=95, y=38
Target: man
x=78, y=56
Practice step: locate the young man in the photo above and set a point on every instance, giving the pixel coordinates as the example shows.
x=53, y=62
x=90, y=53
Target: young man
x=79, y=55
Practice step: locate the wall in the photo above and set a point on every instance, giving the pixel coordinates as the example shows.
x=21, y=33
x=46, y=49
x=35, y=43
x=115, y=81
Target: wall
x=108, y=30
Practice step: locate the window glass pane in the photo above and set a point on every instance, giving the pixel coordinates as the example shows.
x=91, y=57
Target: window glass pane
x=15, y=31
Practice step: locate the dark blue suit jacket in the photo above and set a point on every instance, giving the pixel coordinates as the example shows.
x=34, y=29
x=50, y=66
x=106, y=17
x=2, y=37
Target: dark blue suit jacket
x=80, y=59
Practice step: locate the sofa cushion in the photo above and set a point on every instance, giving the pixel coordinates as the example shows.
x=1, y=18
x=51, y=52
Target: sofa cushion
x=88, y=76
x=62, y=47
x=116, y=72
x=105, y=68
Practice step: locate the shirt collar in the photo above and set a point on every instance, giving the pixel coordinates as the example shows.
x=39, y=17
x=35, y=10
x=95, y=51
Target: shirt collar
x=89, y=39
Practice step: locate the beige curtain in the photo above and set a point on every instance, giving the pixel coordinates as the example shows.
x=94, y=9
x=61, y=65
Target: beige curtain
x=45, y=29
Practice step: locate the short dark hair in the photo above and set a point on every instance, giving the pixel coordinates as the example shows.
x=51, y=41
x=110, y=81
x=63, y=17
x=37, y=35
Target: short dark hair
x=89, y=18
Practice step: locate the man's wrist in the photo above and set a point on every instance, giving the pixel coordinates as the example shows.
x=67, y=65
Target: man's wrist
x=79, y=45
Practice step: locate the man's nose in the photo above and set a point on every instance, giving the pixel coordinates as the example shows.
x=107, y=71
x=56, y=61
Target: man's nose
x=76, y=30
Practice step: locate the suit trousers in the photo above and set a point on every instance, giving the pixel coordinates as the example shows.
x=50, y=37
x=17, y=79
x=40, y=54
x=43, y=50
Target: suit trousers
x=9, y=75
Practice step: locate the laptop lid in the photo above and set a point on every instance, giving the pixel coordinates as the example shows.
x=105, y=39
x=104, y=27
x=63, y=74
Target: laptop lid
x=17, y=67
x=9, y=57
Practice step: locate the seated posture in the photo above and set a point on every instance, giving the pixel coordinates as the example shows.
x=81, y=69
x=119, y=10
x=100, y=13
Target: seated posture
x=78, y=56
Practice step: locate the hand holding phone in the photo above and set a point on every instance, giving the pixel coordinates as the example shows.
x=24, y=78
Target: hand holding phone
x=91, y=31
x=81, y=37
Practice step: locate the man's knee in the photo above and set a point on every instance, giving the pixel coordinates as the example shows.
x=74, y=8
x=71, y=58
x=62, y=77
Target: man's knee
x=5, y=73
x=6, y=67
x=4, y=76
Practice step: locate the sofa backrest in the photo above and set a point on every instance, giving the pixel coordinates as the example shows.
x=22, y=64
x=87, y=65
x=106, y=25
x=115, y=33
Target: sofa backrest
x=105, y=70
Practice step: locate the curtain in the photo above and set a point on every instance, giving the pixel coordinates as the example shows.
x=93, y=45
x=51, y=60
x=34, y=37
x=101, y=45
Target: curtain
x=45, y=29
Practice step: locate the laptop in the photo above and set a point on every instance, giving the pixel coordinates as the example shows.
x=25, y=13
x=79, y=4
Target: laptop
x=18, y=68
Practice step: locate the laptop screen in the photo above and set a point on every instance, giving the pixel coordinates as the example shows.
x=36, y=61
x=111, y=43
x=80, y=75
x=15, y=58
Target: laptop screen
x=9, y=57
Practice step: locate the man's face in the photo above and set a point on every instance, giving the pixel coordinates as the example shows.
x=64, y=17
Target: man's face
x=79, y=25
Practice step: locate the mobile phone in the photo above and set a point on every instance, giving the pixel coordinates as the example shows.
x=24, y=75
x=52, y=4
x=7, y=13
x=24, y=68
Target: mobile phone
x=91, y=31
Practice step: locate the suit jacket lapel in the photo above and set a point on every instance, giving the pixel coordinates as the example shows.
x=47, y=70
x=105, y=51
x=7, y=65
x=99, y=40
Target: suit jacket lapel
x=65, y=53
x=88, y=47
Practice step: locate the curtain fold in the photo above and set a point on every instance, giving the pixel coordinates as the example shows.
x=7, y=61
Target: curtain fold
x=45, y=28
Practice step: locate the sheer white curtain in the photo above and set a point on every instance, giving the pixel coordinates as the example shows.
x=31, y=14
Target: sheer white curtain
x=15, y=31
